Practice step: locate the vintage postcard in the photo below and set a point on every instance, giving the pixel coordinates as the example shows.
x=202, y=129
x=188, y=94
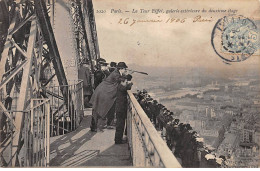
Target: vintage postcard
x=130, y=83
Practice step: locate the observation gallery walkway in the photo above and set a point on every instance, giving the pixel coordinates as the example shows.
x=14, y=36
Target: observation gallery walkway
x=83, y=148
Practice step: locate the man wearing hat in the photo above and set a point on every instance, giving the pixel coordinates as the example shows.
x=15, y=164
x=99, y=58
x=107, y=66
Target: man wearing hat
x=84, y=74
x=112, y=67
x=98, y=77
x=103, y=99
x=153, y=110
x=100, y=61
x=104, y=69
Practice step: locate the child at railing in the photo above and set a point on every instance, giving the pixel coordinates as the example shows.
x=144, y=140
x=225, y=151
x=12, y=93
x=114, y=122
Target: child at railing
x=121, y=107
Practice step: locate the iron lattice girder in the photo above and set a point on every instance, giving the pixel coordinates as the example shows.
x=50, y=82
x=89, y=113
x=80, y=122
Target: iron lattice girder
x=27, y=59
x=21, y=104
x=88, y=5
x=84, y=32
x=22, y=60
x=42, y=15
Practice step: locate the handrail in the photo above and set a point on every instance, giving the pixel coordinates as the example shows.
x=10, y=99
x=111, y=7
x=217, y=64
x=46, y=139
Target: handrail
x=35, y=150
x=73, y=111
x=140, y=128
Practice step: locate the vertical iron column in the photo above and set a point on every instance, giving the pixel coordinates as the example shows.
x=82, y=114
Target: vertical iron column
x=41, y=12
x=94, y=30
x=85, y=34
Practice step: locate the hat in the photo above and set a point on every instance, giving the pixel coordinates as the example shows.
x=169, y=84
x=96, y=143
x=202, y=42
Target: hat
x=129, y=77
x=177, y=120
x=112, y=64
x=101, y=60
x=194, y=132
x=188, y=127
x=121, y=65
x=103, y=63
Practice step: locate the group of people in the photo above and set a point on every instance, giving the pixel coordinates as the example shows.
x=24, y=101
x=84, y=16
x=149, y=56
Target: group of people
x=109, y=97
x=91, y=79
x=180, y=138
x=158, y=114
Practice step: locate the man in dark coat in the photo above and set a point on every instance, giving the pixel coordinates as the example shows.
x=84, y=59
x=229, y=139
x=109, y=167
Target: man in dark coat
x=104, y=96
x=121, y=109
x=98, y=77
x=154, y=111
x=84, y=75
x=105, y=70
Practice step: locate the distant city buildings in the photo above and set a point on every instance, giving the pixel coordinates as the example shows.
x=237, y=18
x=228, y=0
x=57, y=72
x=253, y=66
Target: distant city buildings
x=225, y=114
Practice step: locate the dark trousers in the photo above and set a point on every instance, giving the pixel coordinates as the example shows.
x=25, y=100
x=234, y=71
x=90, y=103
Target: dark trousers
x=86, y=101
x=94, y=120
x=120, y=126
x=111, y=115
x=93, y=125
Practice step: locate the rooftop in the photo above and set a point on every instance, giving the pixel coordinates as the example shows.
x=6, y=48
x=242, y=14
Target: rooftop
x=230, y=139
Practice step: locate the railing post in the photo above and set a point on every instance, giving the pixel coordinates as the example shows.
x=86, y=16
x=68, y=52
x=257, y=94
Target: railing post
x=37, y=134
x=12, y=127
x=48, y=134
x=25, y=137
x=32, y=133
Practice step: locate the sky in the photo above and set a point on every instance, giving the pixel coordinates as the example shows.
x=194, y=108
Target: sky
x=164, y=44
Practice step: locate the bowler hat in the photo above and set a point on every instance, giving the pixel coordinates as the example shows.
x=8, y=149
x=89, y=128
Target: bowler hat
x=177, y=120
x=188, y=127
x=112, y=64
x=103, y=63
x=101, y=60
x=129, y=77
x=121, y=65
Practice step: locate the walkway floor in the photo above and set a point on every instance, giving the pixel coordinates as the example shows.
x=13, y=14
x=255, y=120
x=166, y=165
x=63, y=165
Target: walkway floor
x=83, y=148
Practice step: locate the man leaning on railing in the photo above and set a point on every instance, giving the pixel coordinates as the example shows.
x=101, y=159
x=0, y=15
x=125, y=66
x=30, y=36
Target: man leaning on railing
x=121, y=107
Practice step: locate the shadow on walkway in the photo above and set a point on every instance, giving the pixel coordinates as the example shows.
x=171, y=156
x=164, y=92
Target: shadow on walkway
x=83, y=148
x=116, y=155
x=64, y=147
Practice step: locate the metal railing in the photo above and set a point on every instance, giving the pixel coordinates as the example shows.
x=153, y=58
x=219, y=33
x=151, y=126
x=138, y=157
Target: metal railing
x=66, y=115
x=147, y=148
x=35, y=149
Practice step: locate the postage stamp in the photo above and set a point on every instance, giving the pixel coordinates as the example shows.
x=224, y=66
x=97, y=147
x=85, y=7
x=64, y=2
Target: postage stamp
x=235, y=38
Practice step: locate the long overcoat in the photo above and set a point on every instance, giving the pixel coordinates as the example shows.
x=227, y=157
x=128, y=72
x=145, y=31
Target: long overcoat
x=104, y=96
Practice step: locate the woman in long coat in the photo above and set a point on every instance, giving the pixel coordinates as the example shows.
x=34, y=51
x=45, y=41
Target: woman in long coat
x=104, y=96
